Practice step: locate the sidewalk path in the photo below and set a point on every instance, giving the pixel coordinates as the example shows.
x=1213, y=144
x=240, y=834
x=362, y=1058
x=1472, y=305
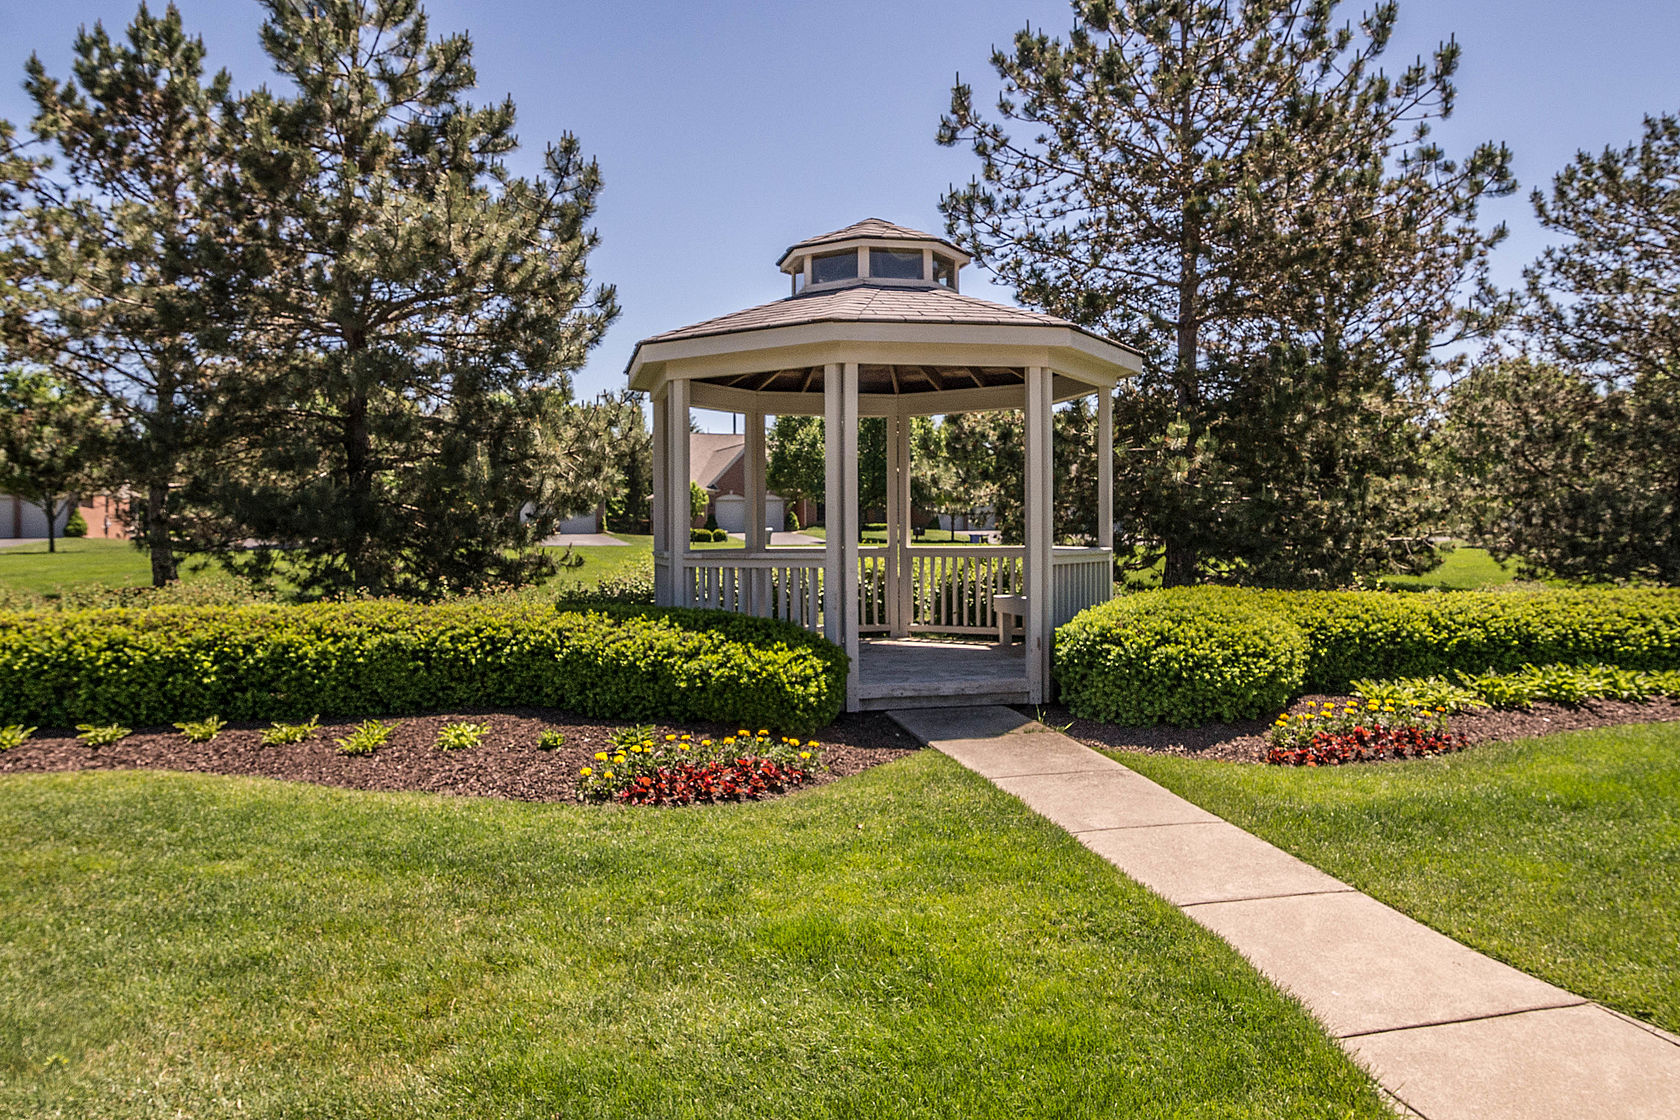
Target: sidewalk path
x=1446, y=1031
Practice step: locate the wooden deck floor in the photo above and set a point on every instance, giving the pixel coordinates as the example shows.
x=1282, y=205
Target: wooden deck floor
x=907, y=673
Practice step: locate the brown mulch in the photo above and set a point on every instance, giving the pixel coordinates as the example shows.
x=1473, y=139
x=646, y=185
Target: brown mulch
x=506, y=763
x=1245, y=741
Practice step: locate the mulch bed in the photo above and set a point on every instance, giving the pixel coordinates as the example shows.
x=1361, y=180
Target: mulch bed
x=1246, y=741
x=506, y=763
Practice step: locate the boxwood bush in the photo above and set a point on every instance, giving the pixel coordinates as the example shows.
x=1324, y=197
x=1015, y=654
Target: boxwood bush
x=157, y=666
x=1184, y=657
x=1191, y=654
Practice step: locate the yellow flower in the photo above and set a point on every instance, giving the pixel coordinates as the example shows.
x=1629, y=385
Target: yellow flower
x=670, y=738
x=586, y=771
x=635, y=750
x=600, y=756
x=688, y=736
x=763, y=731
x=620, y=758
x=608, y=774
x=743, y=731
x=804, y=754
x=682, y=746
x=812, y=743
x=705, y=742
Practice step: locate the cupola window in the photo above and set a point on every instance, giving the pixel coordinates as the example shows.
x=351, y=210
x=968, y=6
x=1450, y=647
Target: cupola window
x=944, y=271
x=830, y=267
x=895, y=264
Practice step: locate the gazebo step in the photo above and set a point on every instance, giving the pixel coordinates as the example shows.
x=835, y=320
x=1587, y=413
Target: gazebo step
x=949, y=700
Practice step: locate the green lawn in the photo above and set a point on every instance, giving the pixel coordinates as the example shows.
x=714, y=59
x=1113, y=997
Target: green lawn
x=907, y=943
x=1559, y=855
x=1462, y=569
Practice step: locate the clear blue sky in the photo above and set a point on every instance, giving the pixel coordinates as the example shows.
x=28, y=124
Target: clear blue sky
x=727, y=130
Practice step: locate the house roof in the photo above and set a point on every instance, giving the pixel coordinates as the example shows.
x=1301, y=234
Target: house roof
x=710, y=454
x=874, y=228
x=865, y=303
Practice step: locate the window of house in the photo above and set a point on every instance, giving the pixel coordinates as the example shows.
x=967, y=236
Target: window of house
x=945, y=271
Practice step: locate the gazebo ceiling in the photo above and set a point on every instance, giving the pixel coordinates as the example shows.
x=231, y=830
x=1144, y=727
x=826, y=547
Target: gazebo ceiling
x=896, y=380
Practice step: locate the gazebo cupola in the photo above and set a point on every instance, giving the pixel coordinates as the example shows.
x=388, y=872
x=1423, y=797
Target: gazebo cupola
x=872, y=252
x=876, y=326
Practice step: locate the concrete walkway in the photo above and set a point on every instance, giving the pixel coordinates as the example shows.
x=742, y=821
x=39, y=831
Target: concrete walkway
x=1446, y=1031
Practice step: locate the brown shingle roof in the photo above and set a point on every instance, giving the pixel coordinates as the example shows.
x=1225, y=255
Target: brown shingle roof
x=710, y=453
x=869, y=227
x=865, y=304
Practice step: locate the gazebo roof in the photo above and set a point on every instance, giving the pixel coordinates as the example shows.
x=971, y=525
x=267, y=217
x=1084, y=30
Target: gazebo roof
x=865, y=304
x=875, y=229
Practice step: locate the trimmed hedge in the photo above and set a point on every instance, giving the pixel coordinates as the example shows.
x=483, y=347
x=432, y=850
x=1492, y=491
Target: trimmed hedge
x=1126, y=660
x=1177, y=658
x=157, y=666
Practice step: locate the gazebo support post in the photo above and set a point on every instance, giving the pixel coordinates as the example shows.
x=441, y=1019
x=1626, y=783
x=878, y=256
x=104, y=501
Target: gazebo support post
x=1036, y=509
x=840, y=432
x=1105, y=468
x=679, y=515
x=661, y=520
x=898, y=524
x=757, y=580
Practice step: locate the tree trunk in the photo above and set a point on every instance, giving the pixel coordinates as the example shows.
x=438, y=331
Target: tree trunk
x=359, y=482
x=157, y=534
x=50, y=508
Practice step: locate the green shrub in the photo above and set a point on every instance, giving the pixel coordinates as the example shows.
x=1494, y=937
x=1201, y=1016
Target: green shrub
x=368, y=737
x=76, y=526
x=551, y=740
x=1181, y=657
x=281, y=734
x=629, y=588
x=269, y=662
x=1197, y=653
x=15, y=735
x=201, y=730
x=461, y=736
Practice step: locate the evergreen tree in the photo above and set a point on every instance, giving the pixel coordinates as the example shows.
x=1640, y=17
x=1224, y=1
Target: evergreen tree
x=1574, y=460
x=1226, y=186
x=418, y=314
x=120, y=263
x=795, y=459
x=54, y=440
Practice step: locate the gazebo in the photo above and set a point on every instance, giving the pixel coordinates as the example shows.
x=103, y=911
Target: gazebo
x=876, y=326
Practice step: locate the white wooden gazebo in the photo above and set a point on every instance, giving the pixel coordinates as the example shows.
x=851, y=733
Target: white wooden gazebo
x=876, y=326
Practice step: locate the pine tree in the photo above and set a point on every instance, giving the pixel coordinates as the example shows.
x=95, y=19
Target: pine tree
x=122, y=260
x=1217, y=183
x=795, y=459
x=1575, y=457
x=418, y=314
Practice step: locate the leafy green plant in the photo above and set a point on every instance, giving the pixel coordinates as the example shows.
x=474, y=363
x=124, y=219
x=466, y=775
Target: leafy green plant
x=15, y=735
x=460, y=736
x=281, y=734
x=349, y=659
x=368, y=737
x=551, y=740
x=1419, y=692
x=102, y=734
x=201, y=730
x=623, y=738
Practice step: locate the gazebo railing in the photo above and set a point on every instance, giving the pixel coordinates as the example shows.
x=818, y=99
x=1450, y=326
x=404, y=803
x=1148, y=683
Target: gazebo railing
x=951, y=587
x=1079, y=578
x=785, y=585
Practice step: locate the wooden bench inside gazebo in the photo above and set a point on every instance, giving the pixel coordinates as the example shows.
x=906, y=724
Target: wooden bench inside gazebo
x=875, y=327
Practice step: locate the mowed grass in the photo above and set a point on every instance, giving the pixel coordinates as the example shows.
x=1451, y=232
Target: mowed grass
x=907, y=943
x=1461, y=569
x=1558, y=855
x=84, y=564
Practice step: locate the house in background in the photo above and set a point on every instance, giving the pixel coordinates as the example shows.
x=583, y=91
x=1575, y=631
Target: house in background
x=717, y=462
x=19, y=518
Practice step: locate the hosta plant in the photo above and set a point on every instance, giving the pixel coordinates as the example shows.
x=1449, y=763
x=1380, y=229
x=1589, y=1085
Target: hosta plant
x=102, y=734
x=366, y=738
x=14, y=735
x=551, y=740
x=201, y=730
x=281, y=734
x=461, y=736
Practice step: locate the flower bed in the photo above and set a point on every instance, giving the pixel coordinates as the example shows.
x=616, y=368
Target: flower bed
x=642, y=768
x=1332, y=734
